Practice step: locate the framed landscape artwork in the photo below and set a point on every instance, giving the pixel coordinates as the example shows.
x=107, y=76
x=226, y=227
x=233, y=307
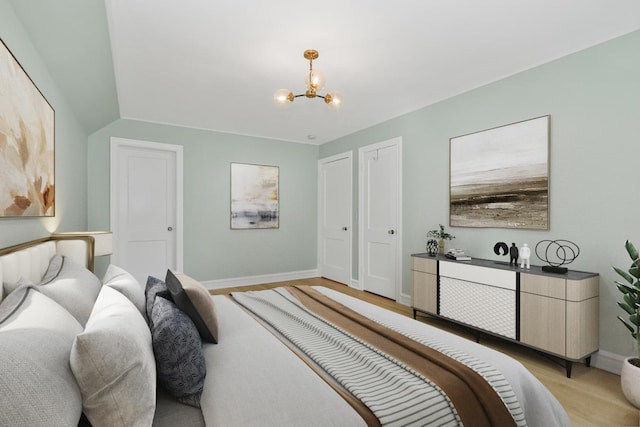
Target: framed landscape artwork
x=254, y=196
x=500, y=177
x=27, y=133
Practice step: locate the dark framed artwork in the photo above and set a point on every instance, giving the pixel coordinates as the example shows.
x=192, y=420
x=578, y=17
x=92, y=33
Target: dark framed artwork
x=254, y=196
x=500, y=177
x=27, y=143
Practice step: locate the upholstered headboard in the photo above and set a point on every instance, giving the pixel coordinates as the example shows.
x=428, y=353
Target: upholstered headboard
x=30, y=260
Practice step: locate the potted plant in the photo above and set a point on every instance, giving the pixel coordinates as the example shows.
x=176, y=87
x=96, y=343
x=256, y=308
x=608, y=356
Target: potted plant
x=441, y=235
x=630, y=289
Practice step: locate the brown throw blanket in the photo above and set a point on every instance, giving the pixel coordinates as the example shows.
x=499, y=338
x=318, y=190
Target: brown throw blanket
x=475, y=401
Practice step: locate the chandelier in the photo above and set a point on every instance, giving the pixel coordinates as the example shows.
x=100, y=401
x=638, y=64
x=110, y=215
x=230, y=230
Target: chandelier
x=315, y=81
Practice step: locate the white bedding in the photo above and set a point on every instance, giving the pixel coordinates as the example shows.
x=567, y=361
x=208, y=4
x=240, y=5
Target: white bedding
x=254, y=379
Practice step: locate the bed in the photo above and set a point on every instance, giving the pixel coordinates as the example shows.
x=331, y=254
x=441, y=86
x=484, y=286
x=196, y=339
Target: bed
x=295, y=356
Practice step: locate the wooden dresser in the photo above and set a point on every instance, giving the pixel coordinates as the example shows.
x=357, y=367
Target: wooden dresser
x=553, y=313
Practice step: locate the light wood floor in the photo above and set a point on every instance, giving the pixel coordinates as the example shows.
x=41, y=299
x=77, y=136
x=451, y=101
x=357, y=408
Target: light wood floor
x=591, y=397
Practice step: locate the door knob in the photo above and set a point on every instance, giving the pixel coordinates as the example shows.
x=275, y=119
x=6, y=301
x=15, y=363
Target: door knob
x=392, y=231
x=170, y=228
x=344, y=228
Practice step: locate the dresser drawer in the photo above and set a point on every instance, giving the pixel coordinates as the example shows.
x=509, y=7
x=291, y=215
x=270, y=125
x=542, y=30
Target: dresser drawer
x=553, y=287
x=478, y=274
x=425, y=265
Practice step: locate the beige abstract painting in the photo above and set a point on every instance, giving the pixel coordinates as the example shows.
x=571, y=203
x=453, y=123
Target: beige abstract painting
x=27, y=134
x=254, y=196
x=500, y=177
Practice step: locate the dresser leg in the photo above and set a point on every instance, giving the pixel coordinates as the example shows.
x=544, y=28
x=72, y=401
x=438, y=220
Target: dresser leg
x=588, y=361
x=569, y=366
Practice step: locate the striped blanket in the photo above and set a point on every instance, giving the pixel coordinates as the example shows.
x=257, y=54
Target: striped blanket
x=390, y=378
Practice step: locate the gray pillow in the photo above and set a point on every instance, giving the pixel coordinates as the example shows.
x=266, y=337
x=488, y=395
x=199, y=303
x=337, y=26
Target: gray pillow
x=178, y=352
x=36, y=382
x=114, y=366
x=155, y=287
x=53, y=269
x=10, y=287
x=55, y=266
x=127, y=285
x=72, y=286
x=195, y=300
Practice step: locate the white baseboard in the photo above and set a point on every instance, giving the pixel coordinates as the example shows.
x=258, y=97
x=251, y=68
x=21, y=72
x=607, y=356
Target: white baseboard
x=261, y=279
x=405, y=300
x=608, y=361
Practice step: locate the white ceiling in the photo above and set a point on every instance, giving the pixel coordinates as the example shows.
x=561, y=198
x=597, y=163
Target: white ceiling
x=216, y=64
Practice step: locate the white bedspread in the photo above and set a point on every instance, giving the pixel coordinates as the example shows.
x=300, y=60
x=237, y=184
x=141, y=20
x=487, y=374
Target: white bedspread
x=255, y=380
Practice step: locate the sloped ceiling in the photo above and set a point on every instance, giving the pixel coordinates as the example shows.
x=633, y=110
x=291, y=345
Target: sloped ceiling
x=72, y=37
x=216, y=64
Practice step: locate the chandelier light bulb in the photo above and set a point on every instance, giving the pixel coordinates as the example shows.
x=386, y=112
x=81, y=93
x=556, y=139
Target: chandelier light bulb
x=283, y=98
x=315, y=80
x=333, y=100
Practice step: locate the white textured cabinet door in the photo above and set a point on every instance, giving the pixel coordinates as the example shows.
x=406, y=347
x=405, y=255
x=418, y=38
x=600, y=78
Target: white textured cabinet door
x=479, y=296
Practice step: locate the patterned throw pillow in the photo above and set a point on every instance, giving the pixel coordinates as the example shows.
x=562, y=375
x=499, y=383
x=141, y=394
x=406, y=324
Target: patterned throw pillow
x=177, y=348
x=155, y=287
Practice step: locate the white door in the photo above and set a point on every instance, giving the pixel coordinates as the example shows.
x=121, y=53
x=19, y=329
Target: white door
x=380, y=218
x=146, y=207
x=334, y=217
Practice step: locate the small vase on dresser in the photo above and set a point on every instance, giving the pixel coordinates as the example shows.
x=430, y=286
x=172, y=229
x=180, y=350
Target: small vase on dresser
x=432, y=247
x=441, y=235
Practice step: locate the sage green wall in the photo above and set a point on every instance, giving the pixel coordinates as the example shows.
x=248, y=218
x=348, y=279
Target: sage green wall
x=211, y=249
x=593, y=98
x=70, y=145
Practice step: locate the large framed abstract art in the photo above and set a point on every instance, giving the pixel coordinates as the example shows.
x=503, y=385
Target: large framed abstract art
x=500, y=177
x=254, y=196
x=27, y=146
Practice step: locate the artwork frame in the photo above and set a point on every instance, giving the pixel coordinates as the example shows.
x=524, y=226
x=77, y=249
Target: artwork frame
x=255, y=196
x=499, y=177
x=27, y=143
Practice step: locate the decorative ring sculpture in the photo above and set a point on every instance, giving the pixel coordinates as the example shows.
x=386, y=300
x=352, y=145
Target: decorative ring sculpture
x=557, y=252
x=501, y=246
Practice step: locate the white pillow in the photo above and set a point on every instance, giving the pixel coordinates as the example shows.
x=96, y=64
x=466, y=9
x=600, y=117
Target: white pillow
x=114, y=365
x=72, y=286
x=123, y=282
x=37, y=387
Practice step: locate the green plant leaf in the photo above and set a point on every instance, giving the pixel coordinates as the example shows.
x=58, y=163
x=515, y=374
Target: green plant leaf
x=631, y=250
x=624, y=275
x=624, y=288
x=631, y=300
x=634, y=270
x=634, y=319
x=626, y=307
x=628, y=326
